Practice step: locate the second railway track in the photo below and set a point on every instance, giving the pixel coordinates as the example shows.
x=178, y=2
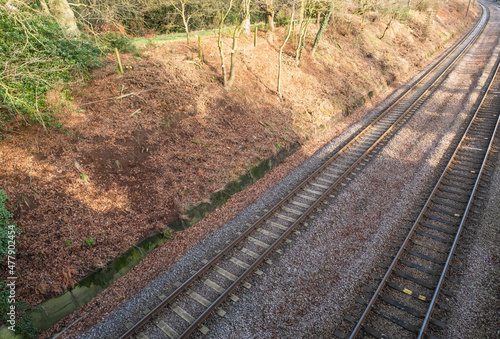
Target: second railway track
x=402, y=305
x=183, y=312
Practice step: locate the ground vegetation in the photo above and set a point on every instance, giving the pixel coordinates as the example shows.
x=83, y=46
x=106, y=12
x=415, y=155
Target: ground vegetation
x=132, y=152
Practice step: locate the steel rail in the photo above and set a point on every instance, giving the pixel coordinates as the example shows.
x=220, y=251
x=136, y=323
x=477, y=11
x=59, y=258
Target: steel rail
x=235, y=284
x=243, y=236
x=193, y=326
x=418, y=220
x=469, y=204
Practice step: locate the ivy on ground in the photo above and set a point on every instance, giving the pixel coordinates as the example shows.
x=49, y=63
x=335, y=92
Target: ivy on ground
x=35, y=56
x=23, y=323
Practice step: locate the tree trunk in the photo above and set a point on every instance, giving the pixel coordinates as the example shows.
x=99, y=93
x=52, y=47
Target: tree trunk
x=246, y=26
x=270, y=21
x=245, y=21
x=221, y=54
x=322, y=29
x=281, y=53
x=246, y=17
x=468, y=6
x=223, y=17
x=64, y=16
x=185, y=21
x=234, y=50
x=302, y=12
x=386, y=28
x=44, y=7
x=302, y=40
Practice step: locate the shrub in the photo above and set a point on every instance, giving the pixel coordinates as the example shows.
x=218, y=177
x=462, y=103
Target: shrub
x=119, y=41
x=23, y=322
x=35, y=56
x=282, y=19
x=5, y=215
x=89, y=242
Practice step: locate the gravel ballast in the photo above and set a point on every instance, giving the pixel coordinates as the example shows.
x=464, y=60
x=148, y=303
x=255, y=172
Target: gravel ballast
x=308, y=288
x=476, y=306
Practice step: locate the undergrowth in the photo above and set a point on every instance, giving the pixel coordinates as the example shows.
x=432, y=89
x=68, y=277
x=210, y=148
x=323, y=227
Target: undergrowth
x=35, y=57
x=8, y=232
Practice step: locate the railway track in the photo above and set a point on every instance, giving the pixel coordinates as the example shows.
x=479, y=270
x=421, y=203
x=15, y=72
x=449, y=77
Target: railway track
x=402, y=304
x=183, y=311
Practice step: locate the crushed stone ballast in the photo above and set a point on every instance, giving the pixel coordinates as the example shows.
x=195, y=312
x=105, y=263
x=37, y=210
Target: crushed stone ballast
x=184, y=310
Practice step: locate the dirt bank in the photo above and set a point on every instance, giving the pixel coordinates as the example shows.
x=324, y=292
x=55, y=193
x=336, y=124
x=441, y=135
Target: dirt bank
x=125, y=165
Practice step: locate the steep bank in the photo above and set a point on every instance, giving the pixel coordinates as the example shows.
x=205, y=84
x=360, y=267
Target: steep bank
x=136, y=170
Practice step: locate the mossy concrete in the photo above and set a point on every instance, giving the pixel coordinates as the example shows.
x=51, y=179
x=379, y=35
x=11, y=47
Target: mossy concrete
x=51, y=311
x=5, y=333
x=218, y=198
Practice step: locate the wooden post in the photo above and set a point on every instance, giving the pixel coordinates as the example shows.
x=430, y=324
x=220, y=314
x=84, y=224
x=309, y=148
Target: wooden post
x=255, y=37
x=200, y=50
x=467, y=13
x=120, y=68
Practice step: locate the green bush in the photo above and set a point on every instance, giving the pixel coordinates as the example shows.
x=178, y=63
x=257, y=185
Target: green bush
x=23, y=326
x=122, y=42
x=89, y=242
x=35, y=56
x=23, y=322
x=5, y=215
x=282, y=19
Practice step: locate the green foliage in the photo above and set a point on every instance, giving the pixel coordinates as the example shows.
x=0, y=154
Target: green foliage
x=5, y=215
x=23, y=322
x=282, y=19
x=24, y=325
x=167, y=233
x=89, y=242
x=35, y=57
x=121, y=42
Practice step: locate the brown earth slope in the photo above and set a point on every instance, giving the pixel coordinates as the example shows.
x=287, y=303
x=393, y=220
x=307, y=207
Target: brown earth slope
x=127, y=164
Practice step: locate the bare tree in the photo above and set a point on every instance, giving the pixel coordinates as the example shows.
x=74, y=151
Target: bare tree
x=364, y=7
x=309, y=7
x=64, y=16
x=245, y=20
x=223, y=15
x=245, y=16
x=189, y=9
x=394, y=10
x=281, y=51
x=301, y=11
x=323, y=26
x=268, y=8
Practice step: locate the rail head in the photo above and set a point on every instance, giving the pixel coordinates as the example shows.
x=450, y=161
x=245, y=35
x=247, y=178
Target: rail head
x=388, y=273
x=464, y=218
x=262, y=219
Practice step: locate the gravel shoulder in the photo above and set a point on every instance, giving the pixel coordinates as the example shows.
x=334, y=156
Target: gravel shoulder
x=476, y=306
x=307, y=289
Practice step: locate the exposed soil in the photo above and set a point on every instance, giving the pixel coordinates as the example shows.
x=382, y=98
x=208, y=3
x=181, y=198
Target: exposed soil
x=122, y=168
